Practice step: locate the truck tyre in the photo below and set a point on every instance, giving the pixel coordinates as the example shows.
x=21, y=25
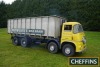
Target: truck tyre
x=52, y=47
x=68, y=50
x=15, y=41
x=26, y=41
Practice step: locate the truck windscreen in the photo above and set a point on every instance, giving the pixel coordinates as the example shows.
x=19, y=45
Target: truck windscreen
x=78, y=28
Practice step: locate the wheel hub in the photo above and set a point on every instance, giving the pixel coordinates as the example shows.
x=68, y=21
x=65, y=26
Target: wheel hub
x=67, y=51
x=52, y=48
x=16, y=41
x=24, y=42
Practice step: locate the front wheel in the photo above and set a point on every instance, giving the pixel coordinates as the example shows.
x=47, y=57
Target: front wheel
x=52, y=47
x=68, y=50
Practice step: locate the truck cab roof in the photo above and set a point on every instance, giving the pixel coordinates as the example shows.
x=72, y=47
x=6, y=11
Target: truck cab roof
x=71, y=23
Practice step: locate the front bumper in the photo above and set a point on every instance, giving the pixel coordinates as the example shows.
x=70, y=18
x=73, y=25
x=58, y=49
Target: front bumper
x=80, y=47
x=83, y=50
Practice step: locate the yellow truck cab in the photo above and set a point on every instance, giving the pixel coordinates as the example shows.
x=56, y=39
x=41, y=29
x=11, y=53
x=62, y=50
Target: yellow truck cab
x=52, y=30
x=72, y=38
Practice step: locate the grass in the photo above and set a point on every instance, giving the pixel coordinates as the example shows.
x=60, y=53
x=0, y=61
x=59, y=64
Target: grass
x=17, y=56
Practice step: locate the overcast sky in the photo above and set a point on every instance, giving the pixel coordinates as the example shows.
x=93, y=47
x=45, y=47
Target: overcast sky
x=7, y=1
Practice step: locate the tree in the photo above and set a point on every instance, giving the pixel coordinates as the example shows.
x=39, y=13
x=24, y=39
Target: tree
x=85, y=11
x=3, y=15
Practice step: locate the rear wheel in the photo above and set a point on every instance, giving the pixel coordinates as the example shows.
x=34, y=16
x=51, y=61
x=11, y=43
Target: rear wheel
x=26, y=42
x=15, y=41
x=52, y=47
x=68, y=50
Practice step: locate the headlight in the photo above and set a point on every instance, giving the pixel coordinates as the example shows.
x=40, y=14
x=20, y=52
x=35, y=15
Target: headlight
x=84, y=40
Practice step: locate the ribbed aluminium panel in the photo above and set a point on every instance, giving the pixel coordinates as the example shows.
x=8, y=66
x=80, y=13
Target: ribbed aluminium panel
x=50, y=24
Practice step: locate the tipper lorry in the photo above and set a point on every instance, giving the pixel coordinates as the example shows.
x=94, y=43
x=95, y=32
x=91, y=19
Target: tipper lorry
x=55, y=31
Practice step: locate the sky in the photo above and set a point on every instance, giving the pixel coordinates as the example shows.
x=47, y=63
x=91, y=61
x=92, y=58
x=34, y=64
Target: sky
x=7, y=1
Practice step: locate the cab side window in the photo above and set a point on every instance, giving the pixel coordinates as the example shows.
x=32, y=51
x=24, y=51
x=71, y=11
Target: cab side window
x=67, y=27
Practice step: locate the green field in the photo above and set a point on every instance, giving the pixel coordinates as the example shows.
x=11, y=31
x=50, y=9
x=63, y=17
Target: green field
x=38, y=56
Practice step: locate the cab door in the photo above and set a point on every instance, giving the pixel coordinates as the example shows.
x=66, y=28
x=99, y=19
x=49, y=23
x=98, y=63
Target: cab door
x=66, y=33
